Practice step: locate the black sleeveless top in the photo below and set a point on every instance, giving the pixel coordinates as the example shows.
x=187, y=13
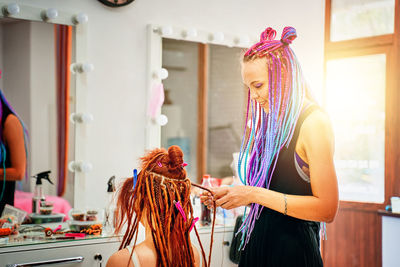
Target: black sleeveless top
x=279, y=240
x=8, y=197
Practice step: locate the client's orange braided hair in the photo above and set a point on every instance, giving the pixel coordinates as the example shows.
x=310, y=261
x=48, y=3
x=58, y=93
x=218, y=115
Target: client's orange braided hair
x=161, y=181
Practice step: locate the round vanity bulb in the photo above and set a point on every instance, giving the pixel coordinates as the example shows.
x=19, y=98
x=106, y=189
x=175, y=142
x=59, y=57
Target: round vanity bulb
x=11, y=9
x=81, y=67
x=86, y=118
x=166, y=30
x=162, y=74
x=85, y=167
x=81, y=18
x=191, y=33
x=87, y=67
x=162, y=120
x=218, y=37
x=81, y=117
x=49, y=14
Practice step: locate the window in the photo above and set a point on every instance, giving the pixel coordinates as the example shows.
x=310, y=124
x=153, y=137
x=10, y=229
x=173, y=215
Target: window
x=356, y=104
x=351, y=19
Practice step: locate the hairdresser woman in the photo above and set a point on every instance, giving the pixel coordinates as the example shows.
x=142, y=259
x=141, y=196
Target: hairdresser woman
x=287, y=158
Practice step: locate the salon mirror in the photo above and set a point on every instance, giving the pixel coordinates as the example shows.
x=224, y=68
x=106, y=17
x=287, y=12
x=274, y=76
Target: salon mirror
x=205, y=102
x=41, y=89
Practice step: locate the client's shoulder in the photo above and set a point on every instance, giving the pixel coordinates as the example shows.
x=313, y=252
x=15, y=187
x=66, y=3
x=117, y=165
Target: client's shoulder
x=143, y=254
x=119, y=258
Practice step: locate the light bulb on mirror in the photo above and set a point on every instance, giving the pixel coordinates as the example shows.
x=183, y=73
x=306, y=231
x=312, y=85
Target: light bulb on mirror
x=11, y=9
x=81, y=67
x=81, y=118
x=49, y=14
x=217, y=37
x=162, y=120
x=161, y=74
x=80, y=18
x=80, y=166
x=166, y=30
x=190, y=34
x=243, y=40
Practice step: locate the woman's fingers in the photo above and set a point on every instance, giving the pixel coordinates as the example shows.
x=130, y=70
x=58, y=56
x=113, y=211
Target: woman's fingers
x=220, y=191
x=223, y=200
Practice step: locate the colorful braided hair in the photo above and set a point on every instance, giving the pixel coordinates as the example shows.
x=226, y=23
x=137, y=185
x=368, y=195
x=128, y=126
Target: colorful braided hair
x=266, y=134
x=3, y=154
x=160, y=184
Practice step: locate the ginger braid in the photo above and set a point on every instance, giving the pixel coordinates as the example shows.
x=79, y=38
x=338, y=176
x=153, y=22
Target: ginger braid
x=161, y=182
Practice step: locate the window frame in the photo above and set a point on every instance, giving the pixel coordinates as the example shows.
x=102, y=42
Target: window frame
x=388, y=44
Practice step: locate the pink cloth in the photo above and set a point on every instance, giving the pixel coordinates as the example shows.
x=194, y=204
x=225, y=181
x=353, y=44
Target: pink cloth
x=23, y=201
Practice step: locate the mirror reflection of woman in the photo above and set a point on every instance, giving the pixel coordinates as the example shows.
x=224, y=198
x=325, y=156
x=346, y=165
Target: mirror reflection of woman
x=287, y=161
x=13, y=151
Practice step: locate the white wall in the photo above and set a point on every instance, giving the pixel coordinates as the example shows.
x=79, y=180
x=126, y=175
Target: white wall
x=117, y=47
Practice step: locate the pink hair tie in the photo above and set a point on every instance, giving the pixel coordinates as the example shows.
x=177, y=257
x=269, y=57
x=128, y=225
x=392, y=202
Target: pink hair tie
x=179, y=207
x=184, y=164
x=288, y=35
x=194, y=221
x=159, y=164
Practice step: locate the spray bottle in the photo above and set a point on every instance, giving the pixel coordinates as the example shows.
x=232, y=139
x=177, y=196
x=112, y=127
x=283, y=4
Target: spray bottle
x=38, y=195
x=109, y=210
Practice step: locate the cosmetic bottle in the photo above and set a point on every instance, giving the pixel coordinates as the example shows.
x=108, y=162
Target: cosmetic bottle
x=38, y=195
x=205, y=218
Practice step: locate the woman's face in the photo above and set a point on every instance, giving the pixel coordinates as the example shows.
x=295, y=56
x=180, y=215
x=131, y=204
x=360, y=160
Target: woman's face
x=255, y=77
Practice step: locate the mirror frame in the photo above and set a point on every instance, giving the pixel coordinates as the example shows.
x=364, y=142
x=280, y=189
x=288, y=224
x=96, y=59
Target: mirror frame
x=33, y=13
x=155, y=33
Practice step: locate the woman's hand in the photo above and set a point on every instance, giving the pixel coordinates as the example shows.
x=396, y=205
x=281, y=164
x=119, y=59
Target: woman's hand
x=228, y=197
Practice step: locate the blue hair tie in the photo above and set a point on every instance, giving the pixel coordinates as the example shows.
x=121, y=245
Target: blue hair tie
x=134, y=178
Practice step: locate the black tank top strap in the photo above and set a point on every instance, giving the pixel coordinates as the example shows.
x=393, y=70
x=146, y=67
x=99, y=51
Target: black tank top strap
x=307, y=110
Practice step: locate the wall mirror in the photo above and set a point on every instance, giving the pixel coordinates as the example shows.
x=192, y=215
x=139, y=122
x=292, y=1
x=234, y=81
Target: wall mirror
x=37, y=48
x=29, y=82
x=205, y=100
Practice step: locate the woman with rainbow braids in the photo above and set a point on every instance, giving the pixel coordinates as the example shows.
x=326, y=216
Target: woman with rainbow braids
x=158, y=198
x=13, y=151
x=286, y=159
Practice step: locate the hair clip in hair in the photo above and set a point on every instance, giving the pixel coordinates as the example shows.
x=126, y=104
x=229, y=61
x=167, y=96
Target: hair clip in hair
x=159, y=164
x=179, y=208
x=184, y=165
x=194, y=221
x=134, y=178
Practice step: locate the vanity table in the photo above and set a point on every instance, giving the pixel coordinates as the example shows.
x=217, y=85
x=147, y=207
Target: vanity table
x=90, y=251
x=95, y=250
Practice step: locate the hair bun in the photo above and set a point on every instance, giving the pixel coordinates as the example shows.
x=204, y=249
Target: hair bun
x=288, y=35
x=175, y=155
x=268, y=35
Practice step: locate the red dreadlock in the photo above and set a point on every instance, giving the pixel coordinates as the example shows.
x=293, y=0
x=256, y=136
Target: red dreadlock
x=161, y=181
